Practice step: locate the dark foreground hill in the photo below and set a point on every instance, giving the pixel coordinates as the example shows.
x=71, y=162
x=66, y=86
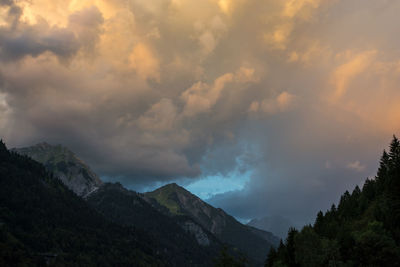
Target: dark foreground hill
x=41, y=221
x=363, y=230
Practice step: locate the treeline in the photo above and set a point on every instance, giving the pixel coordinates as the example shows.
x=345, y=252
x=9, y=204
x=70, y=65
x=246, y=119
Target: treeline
x=363, y=230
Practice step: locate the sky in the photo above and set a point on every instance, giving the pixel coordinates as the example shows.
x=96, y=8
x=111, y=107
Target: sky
x=262, y=108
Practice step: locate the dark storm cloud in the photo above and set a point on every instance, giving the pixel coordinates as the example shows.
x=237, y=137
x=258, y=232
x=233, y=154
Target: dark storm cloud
x=59, y=42
x=19, y=39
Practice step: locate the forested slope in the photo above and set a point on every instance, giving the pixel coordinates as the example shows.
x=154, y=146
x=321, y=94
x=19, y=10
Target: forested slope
x=42, y=220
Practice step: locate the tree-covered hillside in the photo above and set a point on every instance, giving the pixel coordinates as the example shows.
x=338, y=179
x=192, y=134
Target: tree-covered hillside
x=41, y=221
x=363, y=230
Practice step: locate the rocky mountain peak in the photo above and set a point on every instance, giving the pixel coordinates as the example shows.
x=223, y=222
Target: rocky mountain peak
x=65, y=165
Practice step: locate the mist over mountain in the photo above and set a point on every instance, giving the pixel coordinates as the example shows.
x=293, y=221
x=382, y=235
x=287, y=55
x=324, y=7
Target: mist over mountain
x=278, y=225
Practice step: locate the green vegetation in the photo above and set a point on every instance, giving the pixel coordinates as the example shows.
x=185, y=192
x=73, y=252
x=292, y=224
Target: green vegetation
x=364, y=230
x=42, y=221
x=167, y=198
x=226, y=259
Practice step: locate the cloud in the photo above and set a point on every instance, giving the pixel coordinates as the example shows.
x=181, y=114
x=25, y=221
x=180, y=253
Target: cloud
x=150, y=92
x=201, y=97
x=144, y=62
x=229, y=6
x=280, y=36
x=356, y=166
x=292, y=12
x=160, y=117
x=210, y=33
x=281, y=103
x=300, y=8
x=19, y=39
x=343, y=74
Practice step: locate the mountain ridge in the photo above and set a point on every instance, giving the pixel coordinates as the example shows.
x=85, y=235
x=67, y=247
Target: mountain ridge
x=178, y=201
x=65, y=165
x=127, y=207
x=210, y=227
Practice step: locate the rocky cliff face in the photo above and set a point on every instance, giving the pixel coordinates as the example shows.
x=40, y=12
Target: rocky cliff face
x=72, y=171
x=198, y=232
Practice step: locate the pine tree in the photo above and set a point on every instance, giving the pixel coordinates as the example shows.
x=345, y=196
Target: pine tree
x=319, y=223
x=384, y=166
x=272, y=255
x=393, y=184
x=290, y=247
x=394, y=152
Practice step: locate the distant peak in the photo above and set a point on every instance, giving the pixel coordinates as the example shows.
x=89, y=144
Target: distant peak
x=49, y=149
x=169, y=189
x=71, y=170
x=45, y=145
x=174, y=187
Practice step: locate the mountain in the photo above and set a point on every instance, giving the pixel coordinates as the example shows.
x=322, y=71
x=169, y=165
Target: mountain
x=363, y=230
x=42, y=222
x=176, y=201
x=63, y=163
x=184, y=240
x=277, y=225
x=188, y=231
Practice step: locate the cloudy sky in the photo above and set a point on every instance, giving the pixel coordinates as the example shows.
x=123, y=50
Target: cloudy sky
x=270, y=107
